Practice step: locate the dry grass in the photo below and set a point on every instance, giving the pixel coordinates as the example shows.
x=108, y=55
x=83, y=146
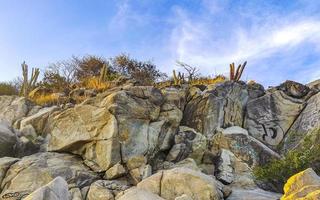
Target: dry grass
x=199, y=81
x=94, y=83
x=46, y=99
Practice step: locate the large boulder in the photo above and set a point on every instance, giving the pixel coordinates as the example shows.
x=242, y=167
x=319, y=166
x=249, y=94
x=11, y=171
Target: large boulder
x=269, y=117
x=136, y=193
x=13, y=108
x=5, y=164
x=8, y=140
x=176, y=182
x=106, y=190
x=222, y=106
x=252, y=194
x=39, y=119
x=188, y=143
x=57, y=189
x=308, y=123
x=35, y=171
x=115, y=126
x=243, y=146
x=304, y=185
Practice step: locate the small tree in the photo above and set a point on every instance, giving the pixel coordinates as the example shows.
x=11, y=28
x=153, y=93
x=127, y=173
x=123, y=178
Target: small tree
x=192, y=72
x=144, y=71
x=88, y=66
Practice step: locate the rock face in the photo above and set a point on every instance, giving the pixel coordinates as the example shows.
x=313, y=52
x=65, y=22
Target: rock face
x=116, y=127
x=13, y=108
x=269, y=117
x=179, y=181
x=220, y=107
x=57, y=189
x=188, y=143
x=139, y=142
x=307, y=123
x=8, y=141
x=304, y=185
x=245, y=147
x=33, y=172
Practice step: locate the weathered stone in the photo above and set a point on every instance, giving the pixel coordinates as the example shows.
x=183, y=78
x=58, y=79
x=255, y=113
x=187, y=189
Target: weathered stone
x=255, y=90
x=102, y=189
x=38, y=120
x=269, y=117
x=57, y=189
x=307, y=123
x=173, y=183
x=13, y=108
x=221, y=107
x=136, y=162
x=115, y=171
x=32, y=172
x=304, y=185
x=136, y=193
x=294, y=89
x=8, y=140
x=247, y=148
x=75, y=194
x=98, y=191
x=188, y=143
x=115, y=127
x=252, y=194
x=225, y=169
x=5, y=163
x=183, y=197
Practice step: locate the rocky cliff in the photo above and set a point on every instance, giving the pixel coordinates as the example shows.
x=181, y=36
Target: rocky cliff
x=141, y=142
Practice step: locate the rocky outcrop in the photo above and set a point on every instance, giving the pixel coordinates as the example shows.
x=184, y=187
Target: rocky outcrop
x=269, y=117
x=116, y=127
x=35, y=171
x=220, y=107
x=104, y=190
x=136, y=193
x=306, y=124
x=187, y=143
x=170, y=184
x=57, y=189
x=8, y=140
x=304, y=185
x=242, y=145
x=13, y=108
x=253, y=194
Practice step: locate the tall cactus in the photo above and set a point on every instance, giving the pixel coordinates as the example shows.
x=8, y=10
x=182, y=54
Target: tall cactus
x=236, y=76
x=178, y=80
x=104, y=73
x=28, y=85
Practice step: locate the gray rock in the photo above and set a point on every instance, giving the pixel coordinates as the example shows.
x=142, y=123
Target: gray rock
x=57, y=189
x=269, y=117
x=308, y=123
x=13, y=108
x=32, y=172
x=252, y=194
x=243, y=146
x=8, y=140
x=225, y=169
x=222, y=107
x=5, y=163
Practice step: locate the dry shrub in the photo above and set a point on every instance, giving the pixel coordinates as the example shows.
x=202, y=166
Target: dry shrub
x=46, y=99
x=208, y=81
x=96, y=84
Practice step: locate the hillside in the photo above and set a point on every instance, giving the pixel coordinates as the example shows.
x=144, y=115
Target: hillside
x=180, y=142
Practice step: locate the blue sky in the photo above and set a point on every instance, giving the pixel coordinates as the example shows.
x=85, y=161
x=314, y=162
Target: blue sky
x=280, y=39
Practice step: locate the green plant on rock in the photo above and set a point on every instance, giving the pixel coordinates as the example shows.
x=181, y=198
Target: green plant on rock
x=277, y=171
x=28, y=85
x=236, y=76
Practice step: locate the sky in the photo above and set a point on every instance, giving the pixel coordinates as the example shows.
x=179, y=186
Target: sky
x=280, y=39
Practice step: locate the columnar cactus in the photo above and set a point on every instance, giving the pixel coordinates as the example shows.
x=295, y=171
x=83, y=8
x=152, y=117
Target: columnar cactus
x=27, y=85
x=237, y=76
x=104, y=73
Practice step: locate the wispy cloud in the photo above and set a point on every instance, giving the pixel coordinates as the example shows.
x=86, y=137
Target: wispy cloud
x=193, y=40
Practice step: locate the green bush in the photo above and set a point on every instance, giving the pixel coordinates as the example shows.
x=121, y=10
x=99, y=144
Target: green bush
x=277, y=172
x=8, y=89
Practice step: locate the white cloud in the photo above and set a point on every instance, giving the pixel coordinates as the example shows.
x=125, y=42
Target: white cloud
x=194, y=41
